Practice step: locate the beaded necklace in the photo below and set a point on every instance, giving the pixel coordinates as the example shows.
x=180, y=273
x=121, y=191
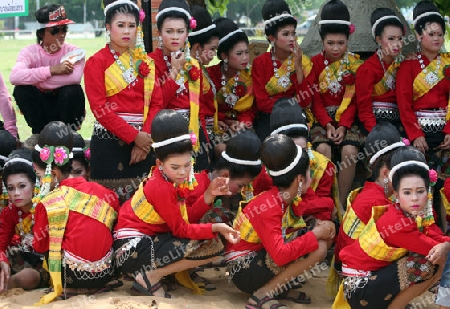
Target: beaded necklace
x=128, y=75
x=390, y=78
x=284, y=81
x=26, y=239
x=431, y=77
x=230, y=98
x=334, y=86
x=180, y=80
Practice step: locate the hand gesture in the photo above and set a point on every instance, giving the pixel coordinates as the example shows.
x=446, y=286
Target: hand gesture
x=421, y=144
x=446, y=143
x=177, y=62
x=331, y=132
x=230, y=234
x=144, y=141
x=4, y=276
x=339, y=135
x=438, y=254
x=297, y=54
x=324, y=230
x=220, y=186
x=137, y=155
x=64, y=68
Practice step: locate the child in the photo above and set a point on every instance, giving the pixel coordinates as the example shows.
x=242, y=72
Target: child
x=20, y=265
x=395, y=257
x=271, y=251
x=7, y=145
x=81, y=157
x=156, y=221
x=334, y=106
x=68, y=211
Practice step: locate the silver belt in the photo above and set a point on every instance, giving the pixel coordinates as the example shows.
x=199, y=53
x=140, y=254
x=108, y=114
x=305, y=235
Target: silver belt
x=385, y=110
x=431, y=121
x=102, y=133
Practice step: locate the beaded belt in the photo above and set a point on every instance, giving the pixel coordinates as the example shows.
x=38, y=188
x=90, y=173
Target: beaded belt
x=431, y=121
x=351, y=272
x=134, y=120
x=331, y=110
x=385, y=110
x=86, y=270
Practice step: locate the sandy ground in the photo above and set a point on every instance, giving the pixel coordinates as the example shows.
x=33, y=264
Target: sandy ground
x=225, y=296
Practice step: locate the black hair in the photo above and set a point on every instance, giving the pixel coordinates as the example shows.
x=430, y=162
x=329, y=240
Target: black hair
x=286, y=111
x=381, y=12
x=270, y=9
x=7, y=144
x=78, y=142
x=42, y=17
x=55, y=133
x=279, y=151
x=334, y=10
x=123, y=8
x=243, y=146
x=224, y=27
x=407, y=154
x=18, y=167
x=169, y=124
x=182, y=4
x=424, y=7
x=386, y=133
x=204, y=20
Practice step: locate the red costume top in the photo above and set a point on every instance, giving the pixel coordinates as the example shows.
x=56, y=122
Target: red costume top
x=435, y=98
x=398, y=231
x=326, y=99
x=128, y=101
x=371, y=195
x=247, y=116
x=367, y=76
x=262, y=72
x=162, y=195
x=79, y=227
x=265, y=215
x=9, y=218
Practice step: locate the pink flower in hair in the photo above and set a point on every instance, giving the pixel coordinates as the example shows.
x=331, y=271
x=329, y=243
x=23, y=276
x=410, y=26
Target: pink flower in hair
x=60, y=155
x=406, y=142
x=352, y=28
x=87, y=154
x=141, y=15
x=44, y=154
x=433, y=176
x=193, y=23
x=193, y=138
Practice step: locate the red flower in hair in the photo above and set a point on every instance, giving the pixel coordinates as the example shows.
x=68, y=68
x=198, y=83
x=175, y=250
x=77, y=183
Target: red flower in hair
x=194, y=73
x=348, y=77
x=352, y=28
x=447, y=72
x=240, y=90
x=143, y=69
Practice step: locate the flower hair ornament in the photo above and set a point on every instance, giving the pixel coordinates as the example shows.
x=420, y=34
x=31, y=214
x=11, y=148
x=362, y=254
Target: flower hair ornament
x=36, y=190
x=427, y=218
x=86, y=152
x=60, y=155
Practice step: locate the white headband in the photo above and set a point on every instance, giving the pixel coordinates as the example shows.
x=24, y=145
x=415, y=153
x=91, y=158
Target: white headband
x=109, y=6
x=385, y=150
x=335, y=21
x=210, y=27
x=172, y=140
x=38, y=148
x=13, y=160
x=77, y=149
x=379, y=20
x=290, y=167
x=425, y=15
x=229, y=35
x=406, y=163
x=288, y=127
x=173, y=9
x=276, y=17
x=239, y=161
x=3, y=158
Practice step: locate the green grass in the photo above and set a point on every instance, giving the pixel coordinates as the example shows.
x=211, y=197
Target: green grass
x=9, y=51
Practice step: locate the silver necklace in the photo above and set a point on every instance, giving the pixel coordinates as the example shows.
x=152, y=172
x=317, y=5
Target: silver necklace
x=127, y=74
x=285, y=80
x=180, y=81
x=230, y=98
x=431, y=77
x=26, y=239
x=334, y=86
x=390, y=79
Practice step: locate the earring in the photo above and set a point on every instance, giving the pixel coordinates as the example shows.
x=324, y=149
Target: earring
x=386, y=186
x=419, y=48
x=160, y=42
x=225, y=65
x=56, y=182
x=299, y=190
x=396, y=200
x=272, y=43
x=108, y=36
x=197, y=55
x=160, y=168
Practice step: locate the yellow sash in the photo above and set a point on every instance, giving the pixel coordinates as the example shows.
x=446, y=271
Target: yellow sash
x=57, y=204
x=445, y=202
x=381, y=88
x=352, y=65
x=245, y=102
x=373, y=244
x=274, y=86
x=26, y=226
x=352, y=225
x=115, y=83
x=146, y=212
x=206, y=88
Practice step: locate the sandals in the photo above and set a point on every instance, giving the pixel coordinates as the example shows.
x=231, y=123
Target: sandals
x=140, y=290
x=301, y=299
x=261, y=301
x=202, y=282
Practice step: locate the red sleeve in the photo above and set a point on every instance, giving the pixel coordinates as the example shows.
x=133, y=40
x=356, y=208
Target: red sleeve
x=312, y=205
x=262, y=182
x=40, y=230
x=267, y=225
x=404, y=85
x=318, y=106
x=263, y=101
x=7, y=231
x=167, y=206
x=434, y=232
x=103, y=110
x=326, y=182
x=248, y=115
x=198, y=210
x=365, y=81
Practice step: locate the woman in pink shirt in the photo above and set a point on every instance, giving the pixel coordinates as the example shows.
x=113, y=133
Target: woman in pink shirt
x=47, y=86
x=6, y=110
